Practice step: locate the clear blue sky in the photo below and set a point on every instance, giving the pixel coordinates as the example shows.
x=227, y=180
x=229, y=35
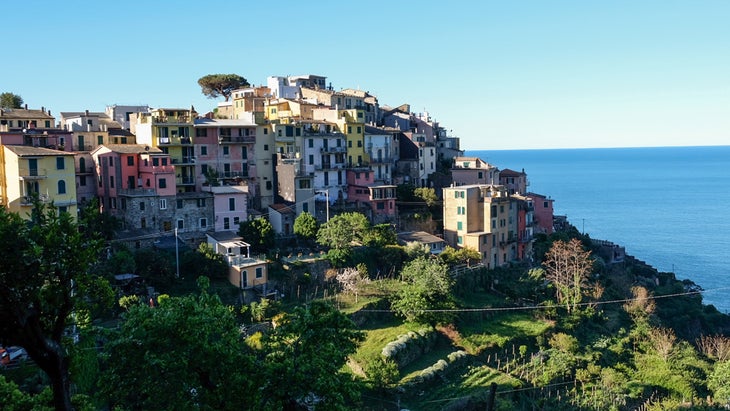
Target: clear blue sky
x=500, y=74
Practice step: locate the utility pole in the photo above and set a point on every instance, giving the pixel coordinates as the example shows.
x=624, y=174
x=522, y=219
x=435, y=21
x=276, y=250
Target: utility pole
x=177, y=257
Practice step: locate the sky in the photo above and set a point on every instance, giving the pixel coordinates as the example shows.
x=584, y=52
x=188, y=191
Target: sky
x=497, y=74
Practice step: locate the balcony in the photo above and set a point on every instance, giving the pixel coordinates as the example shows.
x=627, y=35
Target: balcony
x=173, y=141
x=185, y=181
x=32, y=173
x=27, y=201
x=236, y=140
x=85, y=170
x=171, y=119
x=381, y=160
x=335, y=150
x=329, y=166
x=233, y=174
x=190, y=160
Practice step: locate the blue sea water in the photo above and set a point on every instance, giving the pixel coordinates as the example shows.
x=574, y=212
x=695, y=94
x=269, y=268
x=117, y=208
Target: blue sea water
x=667, y=205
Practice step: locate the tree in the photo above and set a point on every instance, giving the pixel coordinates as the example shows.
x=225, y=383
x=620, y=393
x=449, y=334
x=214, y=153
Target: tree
x=427, y=195
x=215, y=85
x=465, y=255
x=428, y=287
x=305, y=226
x=46, y=281
x=10, y=100
x=204, y=262
x=380, y=235
x=719, y=382
x=259, y=233
x=568, y=266
x=305, y=355
x=342, y=230
x=185, y=353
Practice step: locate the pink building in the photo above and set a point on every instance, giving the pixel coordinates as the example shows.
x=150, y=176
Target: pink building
x=230, y=205
x=361, y=188
x=515, y=181
x=543, y=213
x=473, y=170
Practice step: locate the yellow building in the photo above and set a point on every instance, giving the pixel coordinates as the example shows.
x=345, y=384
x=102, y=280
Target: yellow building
x=34, y=171
x=481, y=217
x=172, y=131
x=350, y=122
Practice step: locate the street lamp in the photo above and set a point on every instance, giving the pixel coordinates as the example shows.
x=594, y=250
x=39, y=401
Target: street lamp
x=177, y=257
x=327, y=202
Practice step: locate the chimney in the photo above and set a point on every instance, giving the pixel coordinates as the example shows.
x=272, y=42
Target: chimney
x=87, y=113
x=26, y=107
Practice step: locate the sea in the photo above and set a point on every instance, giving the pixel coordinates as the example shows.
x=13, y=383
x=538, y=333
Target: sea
x=668, y=206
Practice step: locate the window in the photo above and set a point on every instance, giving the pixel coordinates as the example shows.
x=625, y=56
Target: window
x=155, y=161
x=201, y=202
x=266, y=131
x=201, y=132
x=180, y=224
x=303, y=184
x=163, y=183
x=359, y=129
x=311, y=159
x=164, y=161
x=141, y=206
x=244, y=152
x=311, y=142
x=60, y=164
x=459, y=225
x=111, y=181
x=268, y=185
x=226, y=223
x=232, y=204
x=359, y=143
x=349, y=129
x=545, y=204
x=236, y=221
x=111, y=161
x=203, y=150
x=305, y=207
x=163, y=205
x=204, y=169
x=82, y=181
x=130, y=160
x=61, y=187
x=381, y=206
x=48, y=123
x=266, y=147
x=459, y=240
x=226, y=150
x=203, y=223
x=100, y=139
x=143, y=222
x=349, y=143
x=259, y=272
x=179, y=203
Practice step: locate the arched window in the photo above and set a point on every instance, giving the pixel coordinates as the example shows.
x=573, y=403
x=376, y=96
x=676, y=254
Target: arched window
x=61, y=187
x=82, y=165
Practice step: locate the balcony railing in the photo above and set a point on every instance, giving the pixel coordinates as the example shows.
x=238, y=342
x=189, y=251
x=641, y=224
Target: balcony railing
x=32, y=173
x=333, y=149
x=237, y=139
x=233, y=174
x=85, y=170
x=381, y=160
x=174, y=140
x=185, y=181
x=170, y=119
x=28, y=200
x=329, y=166
x=183, y=160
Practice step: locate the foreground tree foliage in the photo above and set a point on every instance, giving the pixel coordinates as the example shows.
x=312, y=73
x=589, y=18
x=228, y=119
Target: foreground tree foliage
x=305, y=226
x=216, y=85
x=341, y=233
x=185, y=353
x=305, y=354
x=10, y=100
x=47, y=279
x=259, y=233
x=427, y=287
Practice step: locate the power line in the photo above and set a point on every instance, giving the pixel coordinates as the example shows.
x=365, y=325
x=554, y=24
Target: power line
x=544, y=307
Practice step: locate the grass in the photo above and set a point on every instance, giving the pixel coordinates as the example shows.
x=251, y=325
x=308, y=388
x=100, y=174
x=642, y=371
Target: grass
x=377, y=335
x=499, y=329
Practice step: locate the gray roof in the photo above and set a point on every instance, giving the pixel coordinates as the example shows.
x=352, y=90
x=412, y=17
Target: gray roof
x=419, y=237
x=22, y=151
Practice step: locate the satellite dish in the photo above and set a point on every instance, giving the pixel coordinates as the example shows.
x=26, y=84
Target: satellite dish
x=146, y=148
